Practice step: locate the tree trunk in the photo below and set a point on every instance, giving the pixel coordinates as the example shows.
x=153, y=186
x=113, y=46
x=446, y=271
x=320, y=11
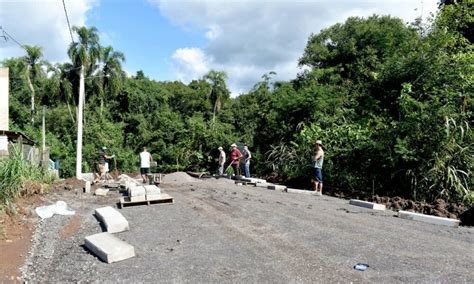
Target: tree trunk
x=32, y=89
x=70, y=112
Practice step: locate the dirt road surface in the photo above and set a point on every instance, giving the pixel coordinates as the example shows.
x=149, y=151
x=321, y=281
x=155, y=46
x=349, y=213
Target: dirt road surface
x=219, y=232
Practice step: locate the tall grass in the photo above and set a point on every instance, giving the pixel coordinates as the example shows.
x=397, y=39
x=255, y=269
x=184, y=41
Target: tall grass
x=18, y=176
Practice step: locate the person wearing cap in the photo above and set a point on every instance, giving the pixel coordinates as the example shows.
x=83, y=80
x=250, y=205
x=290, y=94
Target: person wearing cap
x=317, y=163
x=103, y=165
x=145, y=160
x=235, y=157
x=221, y=160
x=247, y=156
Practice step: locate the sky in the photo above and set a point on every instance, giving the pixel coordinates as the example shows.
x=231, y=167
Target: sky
x=184, y=39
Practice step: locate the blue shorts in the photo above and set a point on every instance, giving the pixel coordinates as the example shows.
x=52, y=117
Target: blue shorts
x=318, y=174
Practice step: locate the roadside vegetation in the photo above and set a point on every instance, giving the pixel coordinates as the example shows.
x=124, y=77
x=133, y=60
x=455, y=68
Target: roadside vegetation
x=19, y=177
x=392, y=102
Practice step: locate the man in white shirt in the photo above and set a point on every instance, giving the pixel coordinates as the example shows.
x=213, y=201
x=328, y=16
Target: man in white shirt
x=221, y=160
x=145, y=160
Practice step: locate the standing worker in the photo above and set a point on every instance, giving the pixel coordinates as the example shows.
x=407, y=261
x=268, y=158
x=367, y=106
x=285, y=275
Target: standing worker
x=145, y=160
x=221, y=161
x=235, y=157
x=247, y=156
x=317, y=163
x=103, y=164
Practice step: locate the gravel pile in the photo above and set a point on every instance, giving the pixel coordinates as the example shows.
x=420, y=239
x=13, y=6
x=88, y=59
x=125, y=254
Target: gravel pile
x=178, y=177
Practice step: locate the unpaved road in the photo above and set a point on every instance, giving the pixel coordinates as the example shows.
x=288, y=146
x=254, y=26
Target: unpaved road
x=219, y=232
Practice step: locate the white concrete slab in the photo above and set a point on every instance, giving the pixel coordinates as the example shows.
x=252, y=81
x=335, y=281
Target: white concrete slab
x=113, y=221
x=366, y=204
x=302, y=191
x=87, y=177
x=152, y=190
x=101, y=191
x=87, y=189
x=138, y=198
x=137, y=191
x=109, y=248
x=257, y=180
x=428, y=218
x=277, y=187
x=153, y=197
x=264, y=185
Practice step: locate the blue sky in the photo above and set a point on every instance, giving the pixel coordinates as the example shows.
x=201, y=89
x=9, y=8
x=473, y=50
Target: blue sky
x=184, y=39
x=148, y=39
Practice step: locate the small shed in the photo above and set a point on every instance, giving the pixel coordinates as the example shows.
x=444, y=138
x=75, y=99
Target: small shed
x=27, y=146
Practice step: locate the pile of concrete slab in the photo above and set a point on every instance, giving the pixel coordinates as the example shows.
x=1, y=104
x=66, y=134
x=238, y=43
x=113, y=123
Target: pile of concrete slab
x=257, y=182
x=127, y=182
x=105, y=245
x=408, y=215
x=144, y=193
x=369, y=205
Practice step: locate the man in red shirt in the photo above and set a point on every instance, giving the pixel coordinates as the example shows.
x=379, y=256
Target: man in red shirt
x=235, y=157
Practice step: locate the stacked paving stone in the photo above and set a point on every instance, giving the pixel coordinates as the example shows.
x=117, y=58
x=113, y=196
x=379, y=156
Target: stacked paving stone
x=144, y=193
x=152, y=192
x=105, y=245
x=127, y=182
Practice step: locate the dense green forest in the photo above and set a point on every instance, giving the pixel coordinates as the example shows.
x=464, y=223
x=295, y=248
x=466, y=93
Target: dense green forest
x=392, y=102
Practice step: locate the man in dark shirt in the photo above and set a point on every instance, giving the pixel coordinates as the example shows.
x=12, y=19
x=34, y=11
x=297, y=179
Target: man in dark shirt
x=103, y=165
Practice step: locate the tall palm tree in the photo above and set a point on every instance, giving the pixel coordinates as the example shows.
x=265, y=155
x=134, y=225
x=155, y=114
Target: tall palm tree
x=32, y=61
x=219, y=92
x=111, y=73
x=85, y=52
x=62, y=80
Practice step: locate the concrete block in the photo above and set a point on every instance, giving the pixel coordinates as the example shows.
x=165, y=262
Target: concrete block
x=138, y=198
x=109, y=248
x=277, y=187
x=129, y=184
x=101, y=191
x=87, y=177
x=113, y=221
x=112, y=185
x=153, y=197
x=367, y=204
x=152, y=190
x=137, y=191
x=428, y=219
x=257, y=180
x=253, y=180
x=87, y=189
x=264, y=185
x=302, y=191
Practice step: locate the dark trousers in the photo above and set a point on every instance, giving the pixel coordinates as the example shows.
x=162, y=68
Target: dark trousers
x=236, y=169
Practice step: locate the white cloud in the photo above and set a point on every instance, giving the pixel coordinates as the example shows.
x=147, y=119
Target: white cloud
x=40, y=22
x=248, y=38
x=190, y=63
x=213, y=32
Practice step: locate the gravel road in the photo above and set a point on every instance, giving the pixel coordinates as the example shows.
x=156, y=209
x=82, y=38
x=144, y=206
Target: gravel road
x=219, y=232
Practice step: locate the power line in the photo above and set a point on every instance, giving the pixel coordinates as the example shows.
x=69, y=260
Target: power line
x=67, y=19
x=5, y=33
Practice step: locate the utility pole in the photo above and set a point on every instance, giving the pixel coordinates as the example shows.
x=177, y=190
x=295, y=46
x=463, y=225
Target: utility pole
x=44, y=163
x=79, y=125
x=43, y=131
